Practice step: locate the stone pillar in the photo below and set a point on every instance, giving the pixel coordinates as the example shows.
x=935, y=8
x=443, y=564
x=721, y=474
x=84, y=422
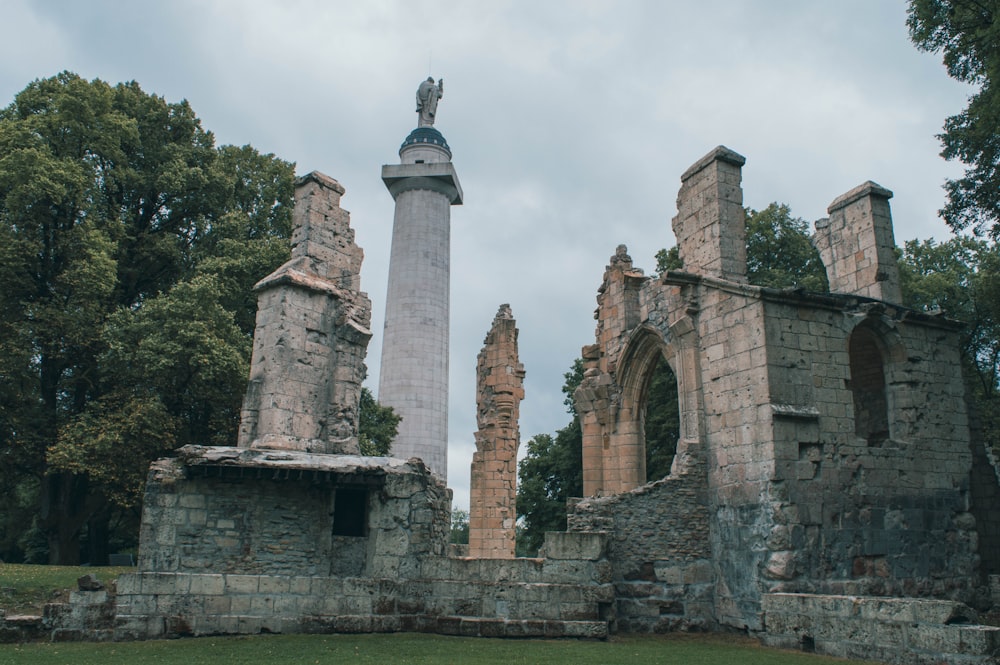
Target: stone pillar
x=311, y=335
x=857, y=246
x=710, y=225
x=414, y=371
x=493, y=490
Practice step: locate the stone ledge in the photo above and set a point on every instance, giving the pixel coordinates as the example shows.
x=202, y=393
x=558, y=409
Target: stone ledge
x=895, y=630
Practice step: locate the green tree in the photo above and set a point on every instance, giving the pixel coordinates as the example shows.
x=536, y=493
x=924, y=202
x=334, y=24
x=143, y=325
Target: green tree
x=967, y=34
x=961, y=278
x=550, y=473
x=663, y=422
x=378, y=425
x=459, y=527
x=780, y=253
x=129, y=245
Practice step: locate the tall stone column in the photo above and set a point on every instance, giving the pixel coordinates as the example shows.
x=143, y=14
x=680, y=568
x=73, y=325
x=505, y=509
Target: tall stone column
x=493, y=490
x=414, y=372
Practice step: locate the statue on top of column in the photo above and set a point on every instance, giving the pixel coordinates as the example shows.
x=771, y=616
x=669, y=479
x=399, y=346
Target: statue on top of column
x=428, y=95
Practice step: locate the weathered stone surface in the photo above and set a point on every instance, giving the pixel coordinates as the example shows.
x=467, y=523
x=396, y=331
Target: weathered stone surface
x=824, y=438
x=312, y=334
x=493, y=487
x=893, y=630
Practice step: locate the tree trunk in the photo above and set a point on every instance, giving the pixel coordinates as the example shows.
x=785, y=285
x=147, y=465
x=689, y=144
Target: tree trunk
x=98, y=529
x=64, y=510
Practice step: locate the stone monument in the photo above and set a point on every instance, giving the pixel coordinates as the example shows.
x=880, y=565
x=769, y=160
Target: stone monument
x=414, y=372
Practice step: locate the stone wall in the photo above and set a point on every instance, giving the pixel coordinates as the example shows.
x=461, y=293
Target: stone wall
x=890, y=630
x=565, y=595
x=833, y=427
x=311, y=334
x=660, y=554
x=231, y=510
x=857, y=246
x=884, y=516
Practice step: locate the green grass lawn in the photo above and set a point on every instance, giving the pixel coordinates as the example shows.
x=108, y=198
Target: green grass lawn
x=25, y=589
x=413, y=649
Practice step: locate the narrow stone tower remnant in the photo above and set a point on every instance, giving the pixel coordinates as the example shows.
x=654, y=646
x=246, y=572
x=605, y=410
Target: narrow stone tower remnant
x=414, y=373
x=312, y=334
x=857, y=245
x=493, y=490
x=710, y=224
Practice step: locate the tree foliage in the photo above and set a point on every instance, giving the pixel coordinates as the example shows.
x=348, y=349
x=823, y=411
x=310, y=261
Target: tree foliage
x=967, y=34
x=378, y=425
x=129, y=245
x=780, y=253
x=960, y=278
x=459, y=534
x=550, y=473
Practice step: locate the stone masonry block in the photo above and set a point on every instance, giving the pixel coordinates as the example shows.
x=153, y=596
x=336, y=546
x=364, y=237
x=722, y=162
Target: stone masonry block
x=579, y=546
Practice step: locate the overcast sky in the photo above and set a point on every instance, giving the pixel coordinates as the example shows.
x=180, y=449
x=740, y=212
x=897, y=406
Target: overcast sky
x=570, y=124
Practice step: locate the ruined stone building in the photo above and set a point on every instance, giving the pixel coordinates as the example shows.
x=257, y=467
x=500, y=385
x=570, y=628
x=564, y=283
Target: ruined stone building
x=820, y=495
x=824, y=449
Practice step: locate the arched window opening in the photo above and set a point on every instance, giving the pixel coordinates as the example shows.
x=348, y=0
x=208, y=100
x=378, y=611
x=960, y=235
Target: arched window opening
x=662, y=423
x=867, y=383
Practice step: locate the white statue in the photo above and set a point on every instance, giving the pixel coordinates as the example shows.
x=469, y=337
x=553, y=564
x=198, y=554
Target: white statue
x=428, y=95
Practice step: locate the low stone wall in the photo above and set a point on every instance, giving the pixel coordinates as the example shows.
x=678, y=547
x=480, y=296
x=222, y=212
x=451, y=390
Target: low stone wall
x=565, y=595
x=902, y=631
x=659, y=553
x=89, y=615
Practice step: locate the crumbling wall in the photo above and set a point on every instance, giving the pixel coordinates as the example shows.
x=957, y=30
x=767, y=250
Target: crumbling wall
x=882, y=514
x=311, y=335
x=833, y=427
x=567, y=594
x=493, y=487
x=231, y=510
x=660, y=553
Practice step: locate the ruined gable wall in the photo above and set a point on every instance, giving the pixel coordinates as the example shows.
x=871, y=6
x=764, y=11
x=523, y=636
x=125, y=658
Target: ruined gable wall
x=884, y=517
x=660, y=553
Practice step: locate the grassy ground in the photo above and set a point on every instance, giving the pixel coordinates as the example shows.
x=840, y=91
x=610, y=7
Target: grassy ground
x=411, y=649
x=25, y=589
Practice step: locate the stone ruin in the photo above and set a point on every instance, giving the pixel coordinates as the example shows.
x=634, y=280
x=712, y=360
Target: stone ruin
x=493, y=486
x=820, y=495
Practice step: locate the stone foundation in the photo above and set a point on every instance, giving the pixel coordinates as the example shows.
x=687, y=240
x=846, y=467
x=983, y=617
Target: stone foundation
x=906, y=631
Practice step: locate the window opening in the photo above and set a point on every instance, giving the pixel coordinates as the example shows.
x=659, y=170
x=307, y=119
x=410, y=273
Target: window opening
x=350, y=512
x=871, y=408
